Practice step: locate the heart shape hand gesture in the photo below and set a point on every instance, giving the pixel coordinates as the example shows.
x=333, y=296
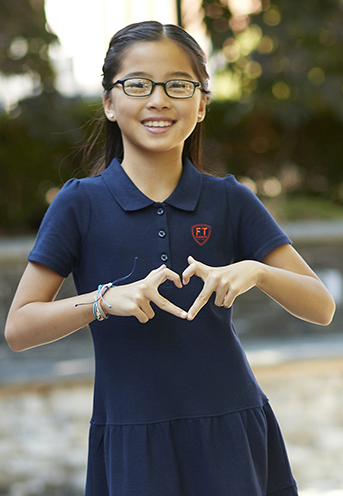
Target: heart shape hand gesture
x=227, y=282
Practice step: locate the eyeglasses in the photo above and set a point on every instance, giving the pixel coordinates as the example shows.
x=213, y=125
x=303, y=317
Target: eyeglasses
x=174, y=88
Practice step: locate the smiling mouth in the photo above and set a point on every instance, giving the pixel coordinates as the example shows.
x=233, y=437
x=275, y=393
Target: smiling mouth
x=158, y=123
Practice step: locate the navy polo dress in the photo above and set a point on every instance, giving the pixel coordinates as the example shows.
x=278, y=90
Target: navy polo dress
x=177, y=410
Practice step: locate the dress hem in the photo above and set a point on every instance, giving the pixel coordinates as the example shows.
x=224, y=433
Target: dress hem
x=209, y=415
x=280, y=492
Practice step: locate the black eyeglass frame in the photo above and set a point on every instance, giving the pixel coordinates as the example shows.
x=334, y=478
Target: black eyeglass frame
x=195, y=84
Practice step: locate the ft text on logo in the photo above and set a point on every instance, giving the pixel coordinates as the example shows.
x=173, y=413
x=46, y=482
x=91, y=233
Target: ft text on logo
x=201, y=233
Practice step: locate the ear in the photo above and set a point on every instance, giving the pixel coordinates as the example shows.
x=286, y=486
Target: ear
x=202, y=110
x=109, y=108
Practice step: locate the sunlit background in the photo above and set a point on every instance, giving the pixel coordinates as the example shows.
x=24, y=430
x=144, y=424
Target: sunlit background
x=275, y=122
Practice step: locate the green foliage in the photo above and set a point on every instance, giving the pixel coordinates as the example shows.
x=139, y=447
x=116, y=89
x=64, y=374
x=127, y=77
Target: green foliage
x=25, y=40
x=287, y=57
x=37, y=138
x=38, y=144
x=279, y=94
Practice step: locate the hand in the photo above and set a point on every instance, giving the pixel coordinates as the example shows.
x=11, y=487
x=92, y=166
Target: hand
x=228, y=282
x=134, y=299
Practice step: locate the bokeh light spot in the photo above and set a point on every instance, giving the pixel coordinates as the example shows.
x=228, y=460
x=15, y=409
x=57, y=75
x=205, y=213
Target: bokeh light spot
x=290, y=176
x=249, y=183
x=316, y=76
x=253, y=69
x=231, y=51
x=51, y=194
x=272, y=17
x=220, y=25
x=239, y=24
x=272, y=187
x=281, y=90
x=213, y=10
x=227, y=86
x=266, y=45
x=18, y=48
x=243, y=7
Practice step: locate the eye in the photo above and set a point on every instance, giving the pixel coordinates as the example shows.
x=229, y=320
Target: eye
x=179, y=87
x=137, y=84
x=182, y=85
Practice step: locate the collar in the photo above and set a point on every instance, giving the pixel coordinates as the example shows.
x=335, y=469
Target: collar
x=185, y=196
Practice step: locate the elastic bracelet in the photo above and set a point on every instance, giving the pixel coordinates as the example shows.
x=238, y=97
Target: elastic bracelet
x=98, y=312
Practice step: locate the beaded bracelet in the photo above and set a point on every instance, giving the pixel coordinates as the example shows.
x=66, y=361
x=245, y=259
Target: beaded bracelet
x=98, y=312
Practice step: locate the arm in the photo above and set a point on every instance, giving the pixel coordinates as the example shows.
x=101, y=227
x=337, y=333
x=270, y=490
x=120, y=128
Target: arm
x=35, y=318
x=283, y=275
x=288, y=280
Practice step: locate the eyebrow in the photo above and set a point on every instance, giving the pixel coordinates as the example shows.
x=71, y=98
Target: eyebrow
x=170, y=75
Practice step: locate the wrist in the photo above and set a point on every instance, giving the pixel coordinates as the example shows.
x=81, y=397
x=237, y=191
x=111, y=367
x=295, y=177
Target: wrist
x=103, y=307
x=261, y=274
x=100, y=307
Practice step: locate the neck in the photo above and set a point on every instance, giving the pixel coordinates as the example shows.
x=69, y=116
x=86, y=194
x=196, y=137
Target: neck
x=156, y=175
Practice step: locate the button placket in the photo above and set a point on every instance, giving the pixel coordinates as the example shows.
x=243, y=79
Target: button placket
x=162, y=233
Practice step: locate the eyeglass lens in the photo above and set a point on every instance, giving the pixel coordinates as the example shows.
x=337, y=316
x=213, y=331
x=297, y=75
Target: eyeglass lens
x=176, y=88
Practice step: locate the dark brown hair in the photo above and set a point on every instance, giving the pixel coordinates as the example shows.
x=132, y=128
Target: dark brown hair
x=121, y=41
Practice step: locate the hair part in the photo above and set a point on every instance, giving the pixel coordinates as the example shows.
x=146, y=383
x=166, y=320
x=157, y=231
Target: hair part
x=119, y=44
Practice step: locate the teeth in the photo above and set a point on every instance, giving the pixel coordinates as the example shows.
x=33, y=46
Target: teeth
x=157, y=123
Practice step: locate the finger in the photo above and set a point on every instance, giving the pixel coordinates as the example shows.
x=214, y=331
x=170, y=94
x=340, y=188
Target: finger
x=162, y=275
x=200, y=301
x=188, y=273
x=229, y=298
x=147, y=309
x=156, y=271
x=221, y=293
x=140, y=315
x=194, y=268
x=168, y=306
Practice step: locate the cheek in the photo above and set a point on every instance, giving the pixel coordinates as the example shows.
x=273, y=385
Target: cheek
x=126, y=112
x=191, y=115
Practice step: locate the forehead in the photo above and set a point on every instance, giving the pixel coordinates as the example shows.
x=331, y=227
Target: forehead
x=156, y=59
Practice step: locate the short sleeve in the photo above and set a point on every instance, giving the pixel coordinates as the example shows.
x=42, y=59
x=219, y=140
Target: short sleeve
x=59, y=240
x=255, y=231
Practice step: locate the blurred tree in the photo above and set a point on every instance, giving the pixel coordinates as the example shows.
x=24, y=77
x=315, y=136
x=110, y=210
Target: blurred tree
x=38, y=153
x=39, y=132
x=25, y=39
x=288, y=52
x=278, y=79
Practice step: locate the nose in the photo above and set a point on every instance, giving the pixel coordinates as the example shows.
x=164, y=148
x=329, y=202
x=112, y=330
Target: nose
x=158, y=98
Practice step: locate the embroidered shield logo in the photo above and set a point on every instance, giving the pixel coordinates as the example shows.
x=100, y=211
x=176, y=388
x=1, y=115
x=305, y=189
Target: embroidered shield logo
x=201, y=233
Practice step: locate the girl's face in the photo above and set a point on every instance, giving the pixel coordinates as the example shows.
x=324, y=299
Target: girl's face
x=137, y=117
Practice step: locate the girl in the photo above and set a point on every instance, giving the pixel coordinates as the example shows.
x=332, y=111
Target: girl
x=177, y=410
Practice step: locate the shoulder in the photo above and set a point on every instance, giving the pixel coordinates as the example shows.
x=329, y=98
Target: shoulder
x=228, y=181
x=233, y=188
x=78, y=191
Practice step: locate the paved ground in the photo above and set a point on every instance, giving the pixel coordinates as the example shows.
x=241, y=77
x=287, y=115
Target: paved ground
x=307, y=398
x=45, y=414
